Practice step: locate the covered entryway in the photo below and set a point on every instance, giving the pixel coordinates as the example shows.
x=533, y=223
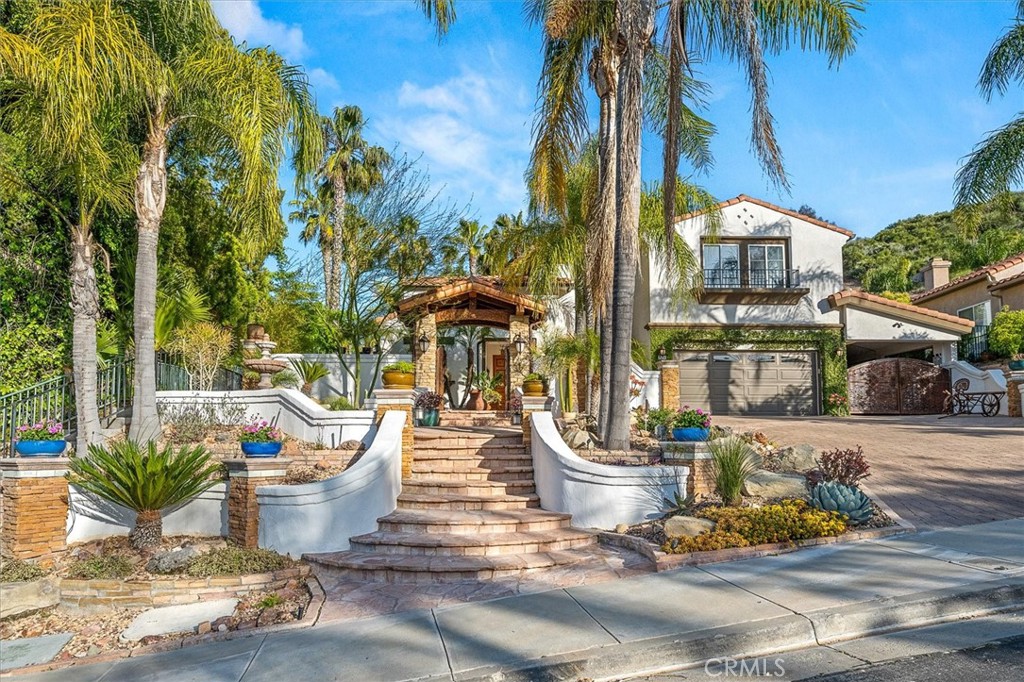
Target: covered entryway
x=750, y=382
x=897, y=386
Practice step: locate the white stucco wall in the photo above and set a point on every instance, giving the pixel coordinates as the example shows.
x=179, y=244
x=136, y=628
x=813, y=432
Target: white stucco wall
x=816, y=251
x=889, y=335
x=340, y=382
x=597, y=495
x=90, y=518
x=291, y=410
x=322, y=516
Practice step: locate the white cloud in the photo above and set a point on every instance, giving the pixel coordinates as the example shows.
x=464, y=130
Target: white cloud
x=245, y=21
x=322, y=79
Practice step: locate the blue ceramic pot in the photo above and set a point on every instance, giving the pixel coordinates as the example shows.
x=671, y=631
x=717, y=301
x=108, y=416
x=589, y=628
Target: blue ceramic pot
x=691, y=433
x=40, y=448
x=431, y=418
x=261, y=449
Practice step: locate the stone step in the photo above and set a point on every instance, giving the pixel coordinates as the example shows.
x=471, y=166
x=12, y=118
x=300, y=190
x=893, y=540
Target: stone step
x=410, y=568
x=481, y=544
x=471, y=522
x=410, y=500
x=440, y=486
x=465, y=453
x=468, y=473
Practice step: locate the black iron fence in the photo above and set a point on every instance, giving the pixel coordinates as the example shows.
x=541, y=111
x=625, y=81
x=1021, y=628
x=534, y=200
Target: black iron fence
x=171, y=376
x=732, y=278
x=974, y=344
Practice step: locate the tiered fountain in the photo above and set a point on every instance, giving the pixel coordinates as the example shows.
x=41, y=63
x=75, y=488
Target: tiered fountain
x=265, y=365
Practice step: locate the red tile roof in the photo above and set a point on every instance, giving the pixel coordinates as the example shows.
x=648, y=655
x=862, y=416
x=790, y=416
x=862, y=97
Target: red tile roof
x=1016, y=280
x=849, y=295
x=970, y=277
x=765, y=204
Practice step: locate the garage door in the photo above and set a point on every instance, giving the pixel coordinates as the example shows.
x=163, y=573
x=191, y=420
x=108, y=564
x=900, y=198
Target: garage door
x=749, y=382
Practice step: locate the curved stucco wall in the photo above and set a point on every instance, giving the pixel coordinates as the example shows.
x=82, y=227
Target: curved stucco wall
x=982, y=380
x=292, y=411
x=322, y=516
x=597, y=495
x=90, y=517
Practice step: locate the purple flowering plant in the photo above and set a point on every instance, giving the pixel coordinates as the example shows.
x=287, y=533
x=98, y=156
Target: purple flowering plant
x=690, y=418
x=428, y=400
x=260, y=431
x=50, y=429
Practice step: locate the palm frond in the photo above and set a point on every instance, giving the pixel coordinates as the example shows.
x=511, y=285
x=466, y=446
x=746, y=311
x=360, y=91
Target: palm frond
x=1004, y=63
x=995, y=165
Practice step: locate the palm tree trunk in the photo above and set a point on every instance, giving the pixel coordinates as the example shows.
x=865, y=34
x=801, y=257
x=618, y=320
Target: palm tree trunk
x=636, y=25
x=147, y=531
x=150, y=200
x=325, y=256
x=85, y=307
x=338, y=243
x=580, y=375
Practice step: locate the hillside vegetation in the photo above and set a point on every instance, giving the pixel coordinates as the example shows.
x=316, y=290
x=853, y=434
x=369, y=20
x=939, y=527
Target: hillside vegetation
x=890, y=260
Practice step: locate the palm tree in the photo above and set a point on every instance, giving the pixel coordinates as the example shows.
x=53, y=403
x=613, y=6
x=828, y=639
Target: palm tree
x=313, y=212
x=463, y=248
x=352, y=165
x=72, y=71
x=242, y=104
x=996, y=164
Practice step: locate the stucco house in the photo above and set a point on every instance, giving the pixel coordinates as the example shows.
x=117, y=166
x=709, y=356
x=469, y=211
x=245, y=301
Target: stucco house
x=773, y=329
x=976, y=296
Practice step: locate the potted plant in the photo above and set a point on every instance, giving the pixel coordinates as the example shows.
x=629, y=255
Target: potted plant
x=399, y=375
x=430, y=403
x=1006, y=337
x=42, y=439
x=533, y=385
x=691, y=424
x=487, y=385
x=515, y=407
x=260, y=439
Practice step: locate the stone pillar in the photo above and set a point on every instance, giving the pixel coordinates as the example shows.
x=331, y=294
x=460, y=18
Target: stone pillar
x=532, y=404
x=518, y=363
x=426, y=363
x=244, y=476
x=1014, y=389
x=35, y=507
x=388, y=399
x=697, y=457
x=669, y=384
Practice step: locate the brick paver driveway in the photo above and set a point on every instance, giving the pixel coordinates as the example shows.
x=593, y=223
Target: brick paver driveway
x=933, y=472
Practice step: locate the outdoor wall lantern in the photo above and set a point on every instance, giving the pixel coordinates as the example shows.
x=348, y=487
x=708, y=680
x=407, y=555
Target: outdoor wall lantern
x=519, y=342
x=424, y=343
x=662, y=354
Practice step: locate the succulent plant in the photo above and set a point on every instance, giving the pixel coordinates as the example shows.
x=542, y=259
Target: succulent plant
x=845, y=499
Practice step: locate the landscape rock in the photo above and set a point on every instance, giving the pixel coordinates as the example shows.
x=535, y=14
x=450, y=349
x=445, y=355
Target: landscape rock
x=351, y=445
x=621, y=528
x=687, y=526
x=579, y=440
x=169, y=562
x=798, y=458
x=180, y=618
x=771, y=485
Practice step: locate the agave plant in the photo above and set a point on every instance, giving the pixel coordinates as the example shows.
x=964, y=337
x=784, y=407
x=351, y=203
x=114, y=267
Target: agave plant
x=309, y=372
x=145, y=480
x=732, y=463
x=845, y=499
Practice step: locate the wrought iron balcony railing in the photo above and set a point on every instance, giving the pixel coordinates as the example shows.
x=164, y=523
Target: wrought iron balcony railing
x=730, y=278
x=974, y=344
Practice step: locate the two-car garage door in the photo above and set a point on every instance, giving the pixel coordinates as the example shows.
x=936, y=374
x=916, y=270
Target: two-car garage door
x=749, y=382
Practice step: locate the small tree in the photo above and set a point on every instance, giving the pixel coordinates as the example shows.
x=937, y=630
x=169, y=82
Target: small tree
x=147, y=481
x=203, y=348
x=1006, y=336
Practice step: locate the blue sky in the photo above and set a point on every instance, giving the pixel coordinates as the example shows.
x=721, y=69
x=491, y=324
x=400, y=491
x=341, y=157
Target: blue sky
x=876, y=140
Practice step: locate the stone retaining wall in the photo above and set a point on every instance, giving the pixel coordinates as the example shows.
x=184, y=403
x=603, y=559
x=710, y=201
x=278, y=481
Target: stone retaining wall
x=105, y=594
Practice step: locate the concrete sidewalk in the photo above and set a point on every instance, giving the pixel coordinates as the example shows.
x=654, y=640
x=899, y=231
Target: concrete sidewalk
x=652, y=622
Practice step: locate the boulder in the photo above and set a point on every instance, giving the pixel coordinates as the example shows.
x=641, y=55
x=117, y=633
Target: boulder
x=169, y=562
x=687, y=526
x=799, y=458
x=579, y=440
x=771, y=485
x=621, y=528
x=351, y=445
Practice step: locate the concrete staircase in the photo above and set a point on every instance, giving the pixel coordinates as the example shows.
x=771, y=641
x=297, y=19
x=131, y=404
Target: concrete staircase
x=470, y=418
x=469, y=512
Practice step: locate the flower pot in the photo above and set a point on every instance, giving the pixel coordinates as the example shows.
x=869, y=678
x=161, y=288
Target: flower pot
x=661, y=432
x=40, y=448
x=254, y=332
x=431, y=418
x=270, y=449
x=517, y=418
x=476, y=401
x=691, y=433
x=394, y=379
x=534, y=388
x=1016, y=365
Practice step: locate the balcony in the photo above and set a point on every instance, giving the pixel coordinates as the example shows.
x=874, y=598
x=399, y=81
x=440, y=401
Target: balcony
x=749, y=287
x=974, y=344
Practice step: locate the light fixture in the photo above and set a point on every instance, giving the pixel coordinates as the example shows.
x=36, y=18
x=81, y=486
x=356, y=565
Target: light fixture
x=519, y=343
x=662, y=354
x=424, y=343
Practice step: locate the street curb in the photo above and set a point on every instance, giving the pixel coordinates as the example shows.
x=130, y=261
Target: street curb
x=774, y=635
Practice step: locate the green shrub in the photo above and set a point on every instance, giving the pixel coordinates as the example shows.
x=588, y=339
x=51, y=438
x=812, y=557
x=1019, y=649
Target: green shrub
x=732, y=463
x=236, y=561
x=406, y=367
x=17, y=571
x=647, y=420
x=285, y=379
x=1006, y=335
x=29, y=352
x=112, y=567
x=270, y=601
x=342, y=403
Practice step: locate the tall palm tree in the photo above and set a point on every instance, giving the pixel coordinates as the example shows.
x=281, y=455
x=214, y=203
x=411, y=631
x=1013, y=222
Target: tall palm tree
x=352, y=165
x=463, y=248
x=313, y=211
x=996, y=163
x=72, y=74
x=242, y=104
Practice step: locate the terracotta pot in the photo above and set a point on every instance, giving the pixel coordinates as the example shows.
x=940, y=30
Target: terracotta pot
x=254, y=331
x=534, y=388
x=476, y=401
x=399, y=379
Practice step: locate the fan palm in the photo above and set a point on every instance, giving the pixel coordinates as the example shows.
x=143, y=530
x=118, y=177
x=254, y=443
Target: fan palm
x=463, y=248
x=145, y=480
x=309, y=372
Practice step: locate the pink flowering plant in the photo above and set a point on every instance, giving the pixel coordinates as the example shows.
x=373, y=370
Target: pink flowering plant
x=691, y=418
x=260, y=431
x=49, y=429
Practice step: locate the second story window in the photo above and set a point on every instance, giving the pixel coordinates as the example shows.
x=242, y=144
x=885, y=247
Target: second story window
x=766, y=265
x=721, y=265
x=755, y=265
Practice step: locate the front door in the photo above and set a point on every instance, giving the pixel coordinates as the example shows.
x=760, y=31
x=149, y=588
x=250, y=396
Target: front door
x=498, y=367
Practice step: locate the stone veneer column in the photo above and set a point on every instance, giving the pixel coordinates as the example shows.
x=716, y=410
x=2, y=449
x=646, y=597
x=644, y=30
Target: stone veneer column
x=1014, y=389
x=388, y=399
x=518, y=363
x=669, y=384
x=532, y=404
x=35, y=507
x=244, y=476
x=426, y=363
x=696, y=456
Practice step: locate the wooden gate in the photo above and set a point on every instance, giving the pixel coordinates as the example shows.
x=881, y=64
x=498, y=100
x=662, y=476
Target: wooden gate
x=897, y=386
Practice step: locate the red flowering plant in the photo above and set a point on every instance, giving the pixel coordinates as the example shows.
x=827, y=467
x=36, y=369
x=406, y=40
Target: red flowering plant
x=691, y=418
x=50, y=429
x=260, y=431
